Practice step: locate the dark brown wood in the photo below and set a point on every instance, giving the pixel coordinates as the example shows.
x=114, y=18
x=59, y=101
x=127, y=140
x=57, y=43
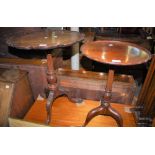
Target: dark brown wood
x=45, y=39
x=105, y=108
x=116, y=52
x=144, y=110
x=52, y=86
x=6, y=32
x=146, y=84
x=15, y=94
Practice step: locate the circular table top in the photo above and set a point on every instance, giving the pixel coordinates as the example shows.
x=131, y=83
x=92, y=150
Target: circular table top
x=45, y=39
x=116, y=52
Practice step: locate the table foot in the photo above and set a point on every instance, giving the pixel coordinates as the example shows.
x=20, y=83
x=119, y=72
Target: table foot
x=106, y=110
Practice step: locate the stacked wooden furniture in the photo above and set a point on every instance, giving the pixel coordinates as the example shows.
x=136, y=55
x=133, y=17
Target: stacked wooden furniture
x=145, y=107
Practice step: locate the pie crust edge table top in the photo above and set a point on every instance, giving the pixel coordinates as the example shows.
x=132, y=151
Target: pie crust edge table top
x=116, y=52
x=45, y=39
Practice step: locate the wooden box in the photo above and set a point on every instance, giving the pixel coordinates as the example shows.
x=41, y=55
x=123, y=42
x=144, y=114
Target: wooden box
x=16, y=95
x=91, y=85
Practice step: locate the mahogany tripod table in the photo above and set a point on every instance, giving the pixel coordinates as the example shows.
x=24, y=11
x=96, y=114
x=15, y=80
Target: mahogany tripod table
x=77, y=87
x=114, y=53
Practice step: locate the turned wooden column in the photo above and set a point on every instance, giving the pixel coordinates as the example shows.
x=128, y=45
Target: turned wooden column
x=105, y=107
x=52, y=85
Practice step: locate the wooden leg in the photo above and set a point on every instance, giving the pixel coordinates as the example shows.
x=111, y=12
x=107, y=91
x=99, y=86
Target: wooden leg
x=49, y=103
x=114, y=114
x=104, y=110
x=93, y=113
x=52, y=85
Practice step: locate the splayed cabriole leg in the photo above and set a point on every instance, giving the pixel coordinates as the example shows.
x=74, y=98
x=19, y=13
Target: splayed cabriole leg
x=49, y=103
x=52, y=86
x=115, y=115
x=105, y=108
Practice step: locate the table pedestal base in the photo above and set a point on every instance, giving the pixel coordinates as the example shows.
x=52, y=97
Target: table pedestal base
x=55, y=91
x=106, y=110
x=51, y=97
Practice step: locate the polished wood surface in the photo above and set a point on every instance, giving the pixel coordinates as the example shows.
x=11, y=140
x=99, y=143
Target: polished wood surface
x=67, y=114
x=45, y=39
x=116, y=52
x=132, y=38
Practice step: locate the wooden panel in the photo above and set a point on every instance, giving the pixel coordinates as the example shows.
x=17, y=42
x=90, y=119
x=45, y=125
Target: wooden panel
x=22, y=97
x=66, y=113
x=6, y=93
x=15, y=94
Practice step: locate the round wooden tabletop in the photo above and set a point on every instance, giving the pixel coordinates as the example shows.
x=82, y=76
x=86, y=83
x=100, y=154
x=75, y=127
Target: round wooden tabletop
x=45, y=39
x=116, y=52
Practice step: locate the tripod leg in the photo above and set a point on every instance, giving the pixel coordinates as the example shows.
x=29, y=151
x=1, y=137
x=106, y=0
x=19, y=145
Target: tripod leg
x=49, y=103
x=115, y=115
x=93, y=113
x=104, y=110
x=52, y=85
